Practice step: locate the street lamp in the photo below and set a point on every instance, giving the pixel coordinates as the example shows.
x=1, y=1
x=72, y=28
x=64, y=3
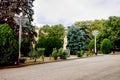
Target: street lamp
x=95, y=32
x=19, y=19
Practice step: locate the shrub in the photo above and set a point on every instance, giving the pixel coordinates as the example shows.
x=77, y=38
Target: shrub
x=63, y=55
x=106, y=46
x=80, y=53
x=55, y=54
x=36, y=53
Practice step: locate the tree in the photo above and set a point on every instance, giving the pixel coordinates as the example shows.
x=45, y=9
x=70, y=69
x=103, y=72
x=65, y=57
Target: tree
x=50, y=37
x=78, y=38
x=8, y=45
x=49, y=43
x=8, y=11
x=55, y=30
x=111, y=30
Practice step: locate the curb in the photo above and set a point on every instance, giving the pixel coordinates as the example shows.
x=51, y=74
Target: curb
x=29, y=64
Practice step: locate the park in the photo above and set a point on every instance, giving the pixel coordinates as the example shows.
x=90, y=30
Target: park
x=80, y=49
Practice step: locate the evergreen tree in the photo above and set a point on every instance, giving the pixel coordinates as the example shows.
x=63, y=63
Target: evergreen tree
x=78, y=39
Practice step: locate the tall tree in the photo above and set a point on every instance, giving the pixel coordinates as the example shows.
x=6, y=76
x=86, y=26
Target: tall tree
x=9, y=11
x=111, y=30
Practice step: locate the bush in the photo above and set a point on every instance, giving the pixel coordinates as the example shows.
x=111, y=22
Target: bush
x=106, y=46
x=63, y=55
x=80, y=53
x=55, y=54
x=36, y=53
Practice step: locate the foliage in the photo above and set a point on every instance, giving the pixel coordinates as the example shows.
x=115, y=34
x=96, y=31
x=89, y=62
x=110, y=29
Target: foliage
x=62, y=54
x=55, y=54
x=81, y=23
x=80, y=53
x=91, y=44
x=50, y=37
x=8, y=45
x=49, y=43
x=43, y=57
x=110, y=30
x=55, y=30
x=37, y=53
x=78, y=38
x=41, y=42
x=89, y=54
x=25, y=47
x=97, y=24
x=106, y=46
x=9, y=9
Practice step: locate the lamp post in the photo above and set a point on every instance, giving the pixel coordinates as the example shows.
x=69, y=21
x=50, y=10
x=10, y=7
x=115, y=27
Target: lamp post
x=20, y=36
x=19, y=19
x=95, y=32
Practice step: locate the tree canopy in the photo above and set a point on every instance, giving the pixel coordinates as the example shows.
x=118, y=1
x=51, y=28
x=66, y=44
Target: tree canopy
x=111, y=29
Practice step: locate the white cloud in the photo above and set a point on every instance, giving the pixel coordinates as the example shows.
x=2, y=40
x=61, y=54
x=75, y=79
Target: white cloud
x=67, y=12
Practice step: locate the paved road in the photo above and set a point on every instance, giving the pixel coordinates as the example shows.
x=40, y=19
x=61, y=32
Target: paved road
x=105, y=67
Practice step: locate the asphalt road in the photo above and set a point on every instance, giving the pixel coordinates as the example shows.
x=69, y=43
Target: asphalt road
x=105, y=67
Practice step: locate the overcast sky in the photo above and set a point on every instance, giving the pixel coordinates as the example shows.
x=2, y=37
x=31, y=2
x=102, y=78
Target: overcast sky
x=67, y=12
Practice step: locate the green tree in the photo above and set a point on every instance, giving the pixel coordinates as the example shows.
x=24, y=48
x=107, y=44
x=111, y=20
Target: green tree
x=54, y=30
x=50, y=37
x=78, y=38
x=111, y=30
x=49, y=43
x=8, y=45
x=106, y=46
